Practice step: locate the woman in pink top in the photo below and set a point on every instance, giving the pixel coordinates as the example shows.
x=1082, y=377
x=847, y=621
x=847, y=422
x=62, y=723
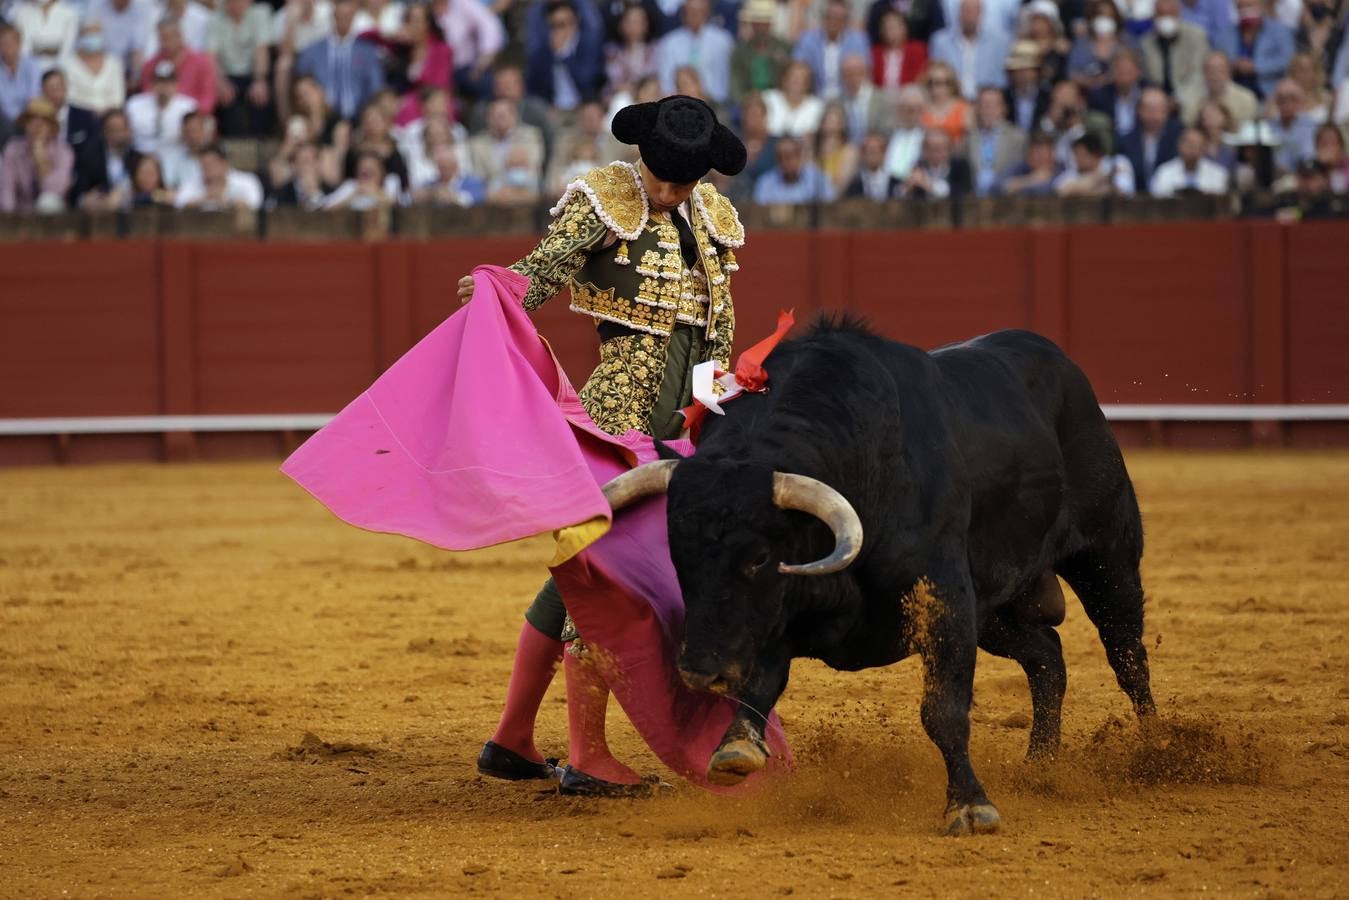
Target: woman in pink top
x=1331, y=154
x=426, y=58
x=35, y=169
x=633, y=57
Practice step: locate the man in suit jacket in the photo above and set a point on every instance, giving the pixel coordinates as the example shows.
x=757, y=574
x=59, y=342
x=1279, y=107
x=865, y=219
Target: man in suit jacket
x=492, y=151
x=824, y=48
x=866, y=107
x=873, y=180
x=104, y=164
x=939, y=174
x=1026, y=97
x=347, y=67
x=1118, y=100
x=564, y=52
x=76, y=124
x=1173, y=54
x=975, y=48
x=995, y=145
x=1154, y=141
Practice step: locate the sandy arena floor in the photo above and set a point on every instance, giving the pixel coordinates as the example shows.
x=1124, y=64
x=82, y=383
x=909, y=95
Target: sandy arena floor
x=210, y=687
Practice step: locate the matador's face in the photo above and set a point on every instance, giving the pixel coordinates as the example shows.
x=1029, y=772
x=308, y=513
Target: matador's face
x=665, y=196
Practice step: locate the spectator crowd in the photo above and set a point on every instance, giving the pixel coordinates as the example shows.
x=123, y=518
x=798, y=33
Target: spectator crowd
x=371, y=104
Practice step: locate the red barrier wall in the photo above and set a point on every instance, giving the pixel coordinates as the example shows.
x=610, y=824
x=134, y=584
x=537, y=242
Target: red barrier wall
x=1183, y=313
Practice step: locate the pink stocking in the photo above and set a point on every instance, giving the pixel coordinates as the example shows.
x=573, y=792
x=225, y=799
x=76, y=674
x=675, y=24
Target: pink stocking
x=536, y=658
x=587, y=702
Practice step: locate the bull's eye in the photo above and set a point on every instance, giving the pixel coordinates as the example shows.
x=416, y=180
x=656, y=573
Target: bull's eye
x=753, y=566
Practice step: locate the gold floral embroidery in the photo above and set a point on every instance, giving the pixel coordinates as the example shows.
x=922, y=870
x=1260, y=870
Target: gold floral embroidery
x=570, y=240
x=719, y=215
x=615, y=192
x=650, y=315
x=619, y=395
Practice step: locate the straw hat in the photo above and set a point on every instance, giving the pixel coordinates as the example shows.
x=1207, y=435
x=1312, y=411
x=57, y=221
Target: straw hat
x=38, y=108
x=765, y=11
x=1024, y=55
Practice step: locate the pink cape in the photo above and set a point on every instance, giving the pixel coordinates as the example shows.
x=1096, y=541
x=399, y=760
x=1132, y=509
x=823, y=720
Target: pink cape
x=476, y=437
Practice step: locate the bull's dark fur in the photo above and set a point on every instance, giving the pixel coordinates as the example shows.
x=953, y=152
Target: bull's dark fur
x=979, y=467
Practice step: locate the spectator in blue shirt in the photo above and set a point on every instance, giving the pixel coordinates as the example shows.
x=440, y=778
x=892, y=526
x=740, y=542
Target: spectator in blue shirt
x=700, y=44
x=975, y=47
x=1264, y=47
x=1215, y=17
x=564, y=48
x=793, y=180
x=1294, y=130
x=825, y=48
x=348, y=68
x=20, y=75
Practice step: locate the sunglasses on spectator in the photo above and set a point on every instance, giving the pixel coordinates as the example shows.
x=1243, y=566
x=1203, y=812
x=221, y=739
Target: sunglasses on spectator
x=936, y=82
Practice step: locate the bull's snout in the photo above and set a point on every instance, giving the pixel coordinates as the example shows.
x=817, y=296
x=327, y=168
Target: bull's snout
x=713, y=682
x=708, y=675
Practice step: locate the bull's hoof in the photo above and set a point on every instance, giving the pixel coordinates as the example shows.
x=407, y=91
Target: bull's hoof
x=735, y=762
x=975, y=818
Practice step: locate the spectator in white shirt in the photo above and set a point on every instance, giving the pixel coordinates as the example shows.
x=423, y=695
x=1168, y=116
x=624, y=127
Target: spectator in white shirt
x=221, y=187
x=49, y=29
x=370, y=189
x=384, y=16
x=1190, y=171
x=181, y=163
x=94, y=80
x=906, y=142
x=156, y=117
x=792, y=110
x=1094, y=174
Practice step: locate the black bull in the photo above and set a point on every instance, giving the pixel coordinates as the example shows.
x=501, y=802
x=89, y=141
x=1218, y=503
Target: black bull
x=976, y=472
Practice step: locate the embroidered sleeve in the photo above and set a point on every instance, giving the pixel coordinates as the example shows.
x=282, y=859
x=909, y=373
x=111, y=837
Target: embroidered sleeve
x=574, y=234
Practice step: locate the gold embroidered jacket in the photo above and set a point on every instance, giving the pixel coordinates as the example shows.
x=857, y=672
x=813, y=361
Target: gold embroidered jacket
x=638, y=277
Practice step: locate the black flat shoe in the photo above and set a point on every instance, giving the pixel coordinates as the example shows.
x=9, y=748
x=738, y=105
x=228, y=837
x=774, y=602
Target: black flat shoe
x=495, y=761
x=576, y=783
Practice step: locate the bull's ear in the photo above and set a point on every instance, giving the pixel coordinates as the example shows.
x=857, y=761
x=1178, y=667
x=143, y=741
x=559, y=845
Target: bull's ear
x=663, y=451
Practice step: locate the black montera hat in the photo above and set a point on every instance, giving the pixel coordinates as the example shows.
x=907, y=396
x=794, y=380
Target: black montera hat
x=680, y=139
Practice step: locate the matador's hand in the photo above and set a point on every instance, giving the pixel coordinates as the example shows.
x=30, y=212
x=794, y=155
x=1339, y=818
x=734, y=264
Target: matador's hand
x=465, y=289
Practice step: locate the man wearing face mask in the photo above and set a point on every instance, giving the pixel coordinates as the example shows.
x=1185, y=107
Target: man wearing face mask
x=647, y=251
x=1264, y=47
x=1173, y=54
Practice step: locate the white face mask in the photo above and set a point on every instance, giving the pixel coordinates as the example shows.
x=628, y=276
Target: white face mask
x=1103, y=26
x=1167, y=26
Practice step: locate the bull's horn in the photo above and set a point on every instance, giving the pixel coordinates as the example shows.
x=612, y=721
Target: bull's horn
x=643, y=481
x=828, y=505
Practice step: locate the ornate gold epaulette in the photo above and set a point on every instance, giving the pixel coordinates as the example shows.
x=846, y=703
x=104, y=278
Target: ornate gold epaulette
x=719, y=215
x=616, y=193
